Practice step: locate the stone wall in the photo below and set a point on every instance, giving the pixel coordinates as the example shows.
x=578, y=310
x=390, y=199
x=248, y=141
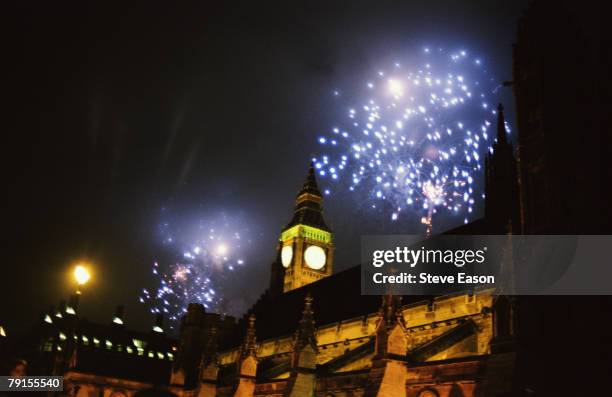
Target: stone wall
x=424, y=321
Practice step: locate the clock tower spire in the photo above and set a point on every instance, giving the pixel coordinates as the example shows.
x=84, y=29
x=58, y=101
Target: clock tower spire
x=305, y=244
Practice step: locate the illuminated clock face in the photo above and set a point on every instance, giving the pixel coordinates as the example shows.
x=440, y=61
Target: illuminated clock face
x=286, y=255
x=315, y=257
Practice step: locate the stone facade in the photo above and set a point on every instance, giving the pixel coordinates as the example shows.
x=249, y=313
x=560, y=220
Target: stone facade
x=310, y=341
x=443, y=349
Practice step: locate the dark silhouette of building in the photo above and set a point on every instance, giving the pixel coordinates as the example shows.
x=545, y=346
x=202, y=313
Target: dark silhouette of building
x=562, y=86
x=502, y=209
x=97, y=359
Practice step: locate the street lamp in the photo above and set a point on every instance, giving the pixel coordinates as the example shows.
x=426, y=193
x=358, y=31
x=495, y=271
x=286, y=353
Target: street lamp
x=81, y=275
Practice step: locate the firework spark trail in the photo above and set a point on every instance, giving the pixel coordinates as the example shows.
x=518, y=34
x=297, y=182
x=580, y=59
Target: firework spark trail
x=416, y=143
x=199, y=267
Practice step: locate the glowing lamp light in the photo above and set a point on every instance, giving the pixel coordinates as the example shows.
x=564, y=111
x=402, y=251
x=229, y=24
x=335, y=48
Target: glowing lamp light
x=81, y=274
x=158, y=329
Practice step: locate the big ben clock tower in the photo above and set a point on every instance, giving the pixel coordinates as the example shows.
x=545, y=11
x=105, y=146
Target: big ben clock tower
x=305, y=245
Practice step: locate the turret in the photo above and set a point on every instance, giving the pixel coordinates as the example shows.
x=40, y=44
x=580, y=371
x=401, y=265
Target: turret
x=305, y=336
x=502, y=204
x=390, y=332
x=247, y=362
x=302, y=380
x=198, y=335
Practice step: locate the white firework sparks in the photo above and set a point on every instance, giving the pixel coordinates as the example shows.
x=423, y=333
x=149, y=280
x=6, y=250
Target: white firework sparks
x=416, y=141
x=199, y=265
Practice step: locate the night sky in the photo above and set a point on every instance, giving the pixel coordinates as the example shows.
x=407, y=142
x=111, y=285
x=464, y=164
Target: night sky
x=119, y=118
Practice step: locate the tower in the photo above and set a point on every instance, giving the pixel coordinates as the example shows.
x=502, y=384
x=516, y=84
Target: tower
x=306, y=249
x=502, y=206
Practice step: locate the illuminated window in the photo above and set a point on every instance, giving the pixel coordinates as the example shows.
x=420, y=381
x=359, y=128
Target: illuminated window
x=170, y=356
x=109, y=344
x=62, y=336
x=140, y=351
x=85, y=340
x=151, y=355
x=160, y=355
x=96, y=342
x=129, y=350
x=48, y=319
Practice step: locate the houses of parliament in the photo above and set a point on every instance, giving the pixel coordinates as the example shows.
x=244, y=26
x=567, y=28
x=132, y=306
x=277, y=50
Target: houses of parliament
x=312, y=333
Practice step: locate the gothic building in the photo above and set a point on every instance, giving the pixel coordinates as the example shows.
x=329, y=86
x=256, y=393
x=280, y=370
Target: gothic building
x=312, y=333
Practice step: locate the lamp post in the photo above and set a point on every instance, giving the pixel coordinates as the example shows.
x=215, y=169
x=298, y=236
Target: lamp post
x=81, y=276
